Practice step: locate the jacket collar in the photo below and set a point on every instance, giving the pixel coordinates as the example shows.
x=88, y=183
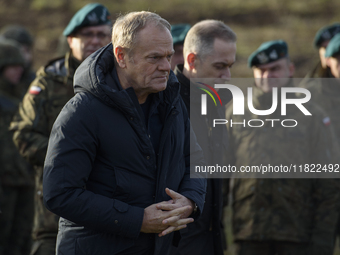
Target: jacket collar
x=61, y=69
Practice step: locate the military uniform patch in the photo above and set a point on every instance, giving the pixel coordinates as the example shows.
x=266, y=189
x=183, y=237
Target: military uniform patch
x=34, y=90
x=92, y=18
x=104, y=16
x=262, y=57
x=326, y=121
x=273, y=55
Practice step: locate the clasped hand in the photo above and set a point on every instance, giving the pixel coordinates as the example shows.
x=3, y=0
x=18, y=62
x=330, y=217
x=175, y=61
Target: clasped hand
x=168, y=216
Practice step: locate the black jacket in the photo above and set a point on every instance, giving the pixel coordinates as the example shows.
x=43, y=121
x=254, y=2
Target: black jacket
x=206, y=235
x=101, y=170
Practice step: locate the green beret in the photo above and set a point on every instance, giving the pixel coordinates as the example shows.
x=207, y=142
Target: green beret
x=326, y=33
x=179, y=33
x=268, y=52
x=17, y=33
x=89, y=15
x=10, y=53
x=333, y=47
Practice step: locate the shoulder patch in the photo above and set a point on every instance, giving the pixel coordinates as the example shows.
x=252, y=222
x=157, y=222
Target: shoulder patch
x=326, y=121
x=34, y=90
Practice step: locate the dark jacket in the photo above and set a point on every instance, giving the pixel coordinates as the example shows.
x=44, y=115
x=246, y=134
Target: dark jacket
x=101, y=170
x=206, y=235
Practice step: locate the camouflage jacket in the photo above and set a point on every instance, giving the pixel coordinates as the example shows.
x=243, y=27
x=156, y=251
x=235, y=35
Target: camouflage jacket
x=14, y=171
x=32, y=125
x=326, y=93
x=297, y=210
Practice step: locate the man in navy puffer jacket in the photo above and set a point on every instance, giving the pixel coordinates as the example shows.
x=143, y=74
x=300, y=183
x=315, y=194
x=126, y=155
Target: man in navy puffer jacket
x=117, y=169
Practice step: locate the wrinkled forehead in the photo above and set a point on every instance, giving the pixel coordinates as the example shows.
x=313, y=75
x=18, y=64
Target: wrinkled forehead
x=153, y=30
x=153, y=36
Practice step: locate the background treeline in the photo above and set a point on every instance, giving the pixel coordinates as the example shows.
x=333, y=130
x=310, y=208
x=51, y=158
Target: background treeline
x=254, y=21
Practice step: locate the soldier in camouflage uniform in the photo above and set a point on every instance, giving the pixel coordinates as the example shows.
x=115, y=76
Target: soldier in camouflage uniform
x=25, y=40
x=280, y=216
x=88, y=30
x=16, y=176
x=206, y=235
x=326, y=92
x=321, y=40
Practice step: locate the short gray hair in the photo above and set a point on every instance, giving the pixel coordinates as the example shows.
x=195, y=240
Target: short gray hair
x=200, y=38
x=127, y=26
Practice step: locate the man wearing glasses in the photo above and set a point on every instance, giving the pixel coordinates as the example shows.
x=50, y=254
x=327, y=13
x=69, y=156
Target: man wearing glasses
x=88, y=30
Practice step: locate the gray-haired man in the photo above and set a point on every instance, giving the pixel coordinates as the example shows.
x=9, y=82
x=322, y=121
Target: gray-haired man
x=209, y=52
x=117, y=167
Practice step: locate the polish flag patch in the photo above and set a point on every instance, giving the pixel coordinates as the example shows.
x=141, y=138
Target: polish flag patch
x=326, y=121
x=34, y=90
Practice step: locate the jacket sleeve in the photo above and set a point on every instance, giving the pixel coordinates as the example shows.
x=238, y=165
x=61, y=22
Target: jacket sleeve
x=193, y=186
x=70, y=157
x=30, y=125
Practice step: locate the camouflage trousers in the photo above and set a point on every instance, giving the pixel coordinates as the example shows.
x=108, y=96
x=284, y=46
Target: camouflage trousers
x=271, y=248
x=44, y=246
x=16, y=220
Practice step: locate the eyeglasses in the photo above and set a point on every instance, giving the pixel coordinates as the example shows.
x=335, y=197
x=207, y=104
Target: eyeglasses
x=90, y=36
